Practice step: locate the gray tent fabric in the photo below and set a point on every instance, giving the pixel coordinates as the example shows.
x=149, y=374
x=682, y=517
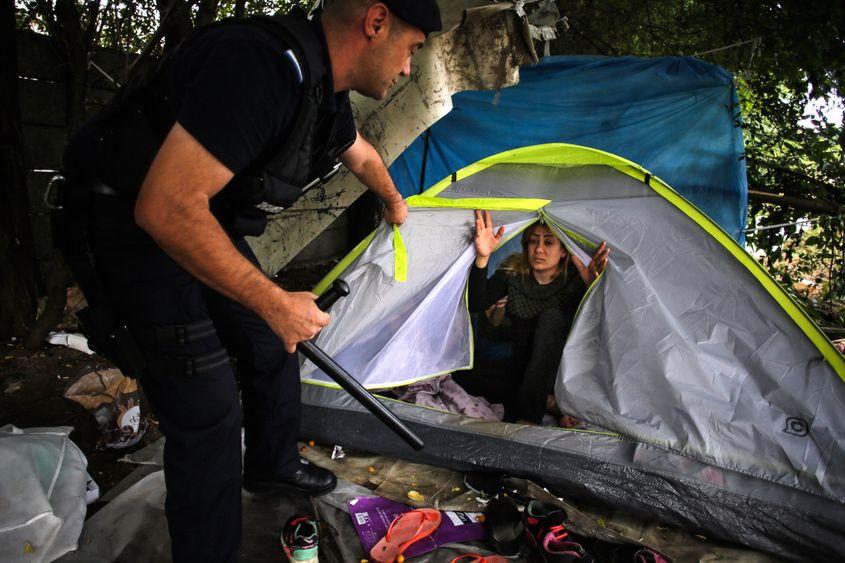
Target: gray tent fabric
x=706, y=377
x=678, y=346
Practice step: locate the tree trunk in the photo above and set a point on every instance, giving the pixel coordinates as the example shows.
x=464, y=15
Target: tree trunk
x=207, y=12
x=70, y=40
x=18, y=267
x=240, y=8
x=176, y=22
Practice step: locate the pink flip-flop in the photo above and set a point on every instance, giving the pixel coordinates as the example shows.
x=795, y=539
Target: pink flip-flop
x=405, y=530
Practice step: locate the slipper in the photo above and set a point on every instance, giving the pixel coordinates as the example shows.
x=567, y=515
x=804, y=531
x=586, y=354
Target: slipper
x=405, y=530
x=478, y=558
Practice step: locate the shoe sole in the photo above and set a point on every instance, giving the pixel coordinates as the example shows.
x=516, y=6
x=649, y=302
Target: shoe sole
x=278, y=489
x=314, y=559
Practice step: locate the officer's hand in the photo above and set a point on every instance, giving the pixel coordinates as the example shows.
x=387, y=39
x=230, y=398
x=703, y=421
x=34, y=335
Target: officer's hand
x=396, y=212
x=296, y=318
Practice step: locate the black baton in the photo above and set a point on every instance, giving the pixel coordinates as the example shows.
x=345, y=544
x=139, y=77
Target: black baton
x=349, y=384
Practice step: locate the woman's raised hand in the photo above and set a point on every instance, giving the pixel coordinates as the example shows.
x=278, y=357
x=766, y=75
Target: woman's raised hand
x=597, y=264
x=599, y=261
x=486, y=240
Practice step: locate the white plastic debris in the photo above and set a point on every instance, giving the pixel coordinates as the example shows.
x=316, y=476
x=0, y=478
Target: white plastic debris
x=71, y=340
x=338, y=453
x=43, y=492
x=92, y=491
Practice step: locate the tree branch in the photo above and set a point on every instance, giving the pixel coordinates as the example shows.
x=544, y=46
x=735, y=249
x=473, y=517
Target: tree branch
x=801, y=204
x=154, y=40
x=793, y=173
x=207, y=12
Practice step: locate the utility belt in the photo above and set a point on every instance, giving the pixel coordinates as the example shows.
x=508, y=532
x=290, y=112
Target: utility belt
x=108, y=334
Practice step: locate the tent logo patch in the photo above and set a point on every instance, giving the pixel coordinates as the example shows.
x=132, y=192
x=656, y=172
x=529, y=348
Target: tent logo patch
x=796, y=426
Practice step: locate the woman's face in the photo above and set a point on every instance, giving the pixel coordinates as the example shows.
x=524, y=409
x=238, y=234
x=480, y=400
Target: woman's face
x=545, y=250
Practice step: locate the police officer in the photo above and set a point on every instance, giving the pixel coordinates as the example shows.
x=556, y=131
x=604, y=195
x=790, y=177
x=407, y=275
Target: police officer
x=227, y=130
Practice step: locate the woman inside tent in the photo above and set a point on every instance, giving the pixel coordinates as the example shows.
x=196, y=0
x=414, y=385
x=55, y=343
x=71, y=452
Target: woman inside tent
x=540, y=289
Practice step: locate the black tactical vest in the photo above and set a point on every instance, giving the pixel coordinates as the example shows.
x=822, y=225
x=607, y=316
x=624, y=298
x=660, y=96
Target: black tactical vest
x=303, y=161
x=307, y=158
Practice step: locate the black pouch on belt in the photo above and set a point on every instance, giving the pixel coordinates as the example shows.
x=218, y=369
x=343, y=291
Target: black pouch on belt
x=106, y=333
x=111, y=338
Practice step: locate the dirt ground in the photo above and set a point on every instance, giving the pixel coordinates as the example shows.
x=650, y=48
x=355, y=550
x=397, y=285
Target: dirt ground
x=33, y=382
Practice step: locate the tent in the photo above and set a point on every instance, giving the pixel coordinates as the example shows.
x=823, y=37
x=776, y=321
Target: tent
x=676, y=116
x=718, y=400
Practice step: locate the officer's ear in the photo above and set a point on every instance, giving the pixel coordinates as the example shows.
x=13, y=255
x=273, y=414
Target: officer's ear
x=375, y=21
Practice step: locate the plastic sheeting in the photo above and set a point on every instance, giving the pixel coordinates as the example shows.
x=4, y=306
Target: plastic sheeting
x=43, y=484
x=676, y=116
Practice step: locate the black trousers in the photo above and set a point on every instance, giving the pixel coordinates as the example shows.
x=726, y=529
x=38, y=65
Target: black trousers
x=190, y=385
x=523, y=382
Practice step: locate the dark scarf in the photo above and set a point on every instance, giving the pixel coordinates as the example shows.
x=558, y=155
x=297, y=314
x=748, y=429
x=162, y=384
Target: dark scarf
x=527, y=297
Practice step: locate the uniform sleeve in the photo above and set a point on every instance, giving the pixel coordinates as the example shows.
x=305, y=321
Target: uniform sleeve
x=483, y=292
x=347, y=132
x=241, y=98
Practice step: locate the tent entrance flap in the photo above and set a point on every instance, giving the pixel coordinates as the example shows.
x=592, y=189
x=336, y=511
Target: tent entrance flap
x=389, y=333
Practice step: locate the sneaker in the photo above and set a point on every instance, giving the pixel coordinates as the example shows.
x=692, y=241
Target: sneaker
x=300, y=539
x=540, y=517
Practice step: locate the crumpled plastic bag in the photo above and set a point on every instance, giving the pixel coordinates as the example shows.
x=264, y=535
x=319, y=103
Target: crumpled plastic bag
x=115, y=402
x=43, y=493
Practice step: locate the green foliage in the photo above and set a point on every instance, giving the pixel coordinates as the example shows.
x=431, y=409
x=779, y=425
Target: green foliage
x=129, y=26
x=784, y=54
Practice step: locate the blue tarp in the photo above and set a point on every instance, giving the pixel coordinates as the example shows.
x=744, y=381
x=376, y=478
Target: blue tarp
x=676, y=116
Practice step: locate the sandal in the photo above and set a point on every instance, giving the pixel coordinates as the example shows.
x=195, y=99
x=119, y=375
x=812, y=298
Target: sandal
x=405, y=530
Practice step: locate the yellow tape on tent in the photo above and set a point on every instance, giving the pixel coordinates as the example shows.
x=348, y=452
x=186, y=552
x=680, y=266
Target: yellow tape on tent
x=486, y=203
x=400, y=256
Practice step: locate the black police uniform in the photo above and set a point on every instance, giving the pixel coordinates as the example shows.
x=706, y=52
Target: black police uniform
x=240, y=89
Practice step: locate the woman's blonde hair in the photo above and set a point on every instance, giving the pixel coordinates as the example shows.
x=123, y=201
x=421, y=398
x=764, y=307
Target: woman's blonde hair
x=517, y=263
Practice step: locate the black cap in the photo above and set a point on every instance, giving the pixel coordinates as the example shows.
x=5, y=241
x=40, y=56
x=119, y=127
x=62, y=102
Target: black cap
x=423, y=14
